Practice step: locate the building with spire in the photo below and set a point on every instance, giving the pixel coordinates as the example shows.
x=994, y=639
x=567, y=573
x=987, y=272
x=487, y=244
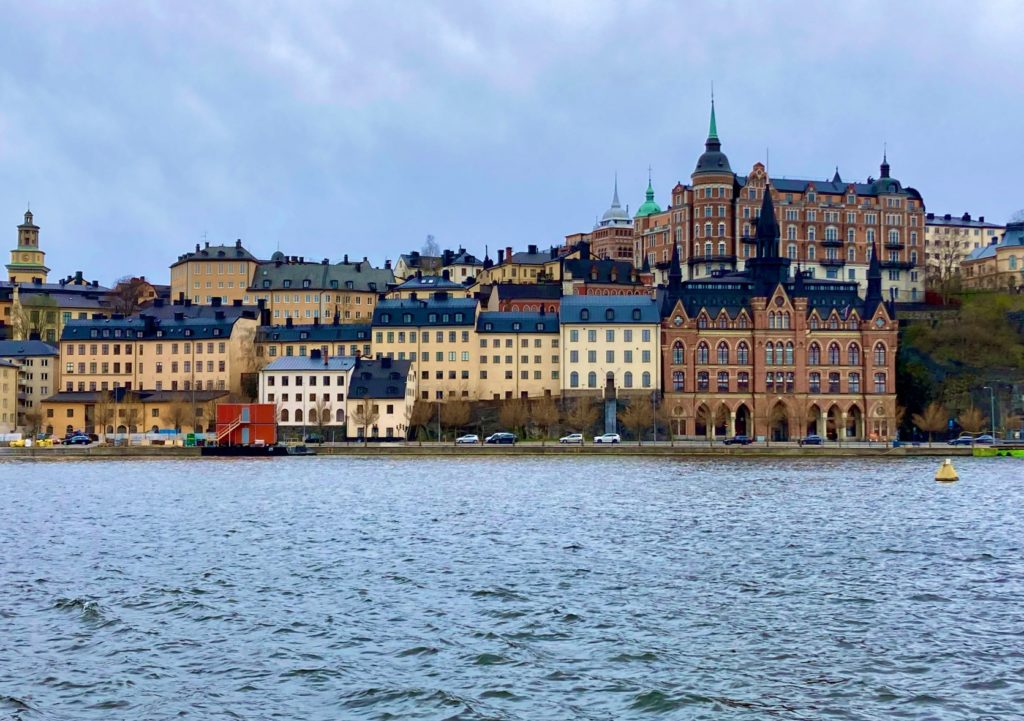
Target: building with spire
x=770, y=351
x=612, y=236
x=28, y=262
x=826, y=226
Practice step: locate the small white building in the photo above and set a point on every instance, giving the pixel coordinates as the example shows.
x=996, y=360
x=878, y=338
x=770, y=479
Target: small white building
x=309, y=391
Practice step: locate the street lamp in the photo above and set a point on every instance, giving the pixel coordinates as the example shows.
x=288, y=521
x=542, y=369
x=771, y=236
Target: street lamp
x=991, y=409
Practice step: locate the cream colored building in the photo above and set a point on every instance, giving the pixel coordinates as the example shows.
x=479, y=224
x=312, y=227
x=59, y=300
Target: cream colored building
x=8, y=396
x=998, y=265
x=122, y=411
x=170, y=348
x=382, y=392
x=310, y=392
x=219, y=271
x=438, y=334
x=530, y=266
x=331, y=339
x=519, y=355
x=949, y=240
x=609, y=344
x=39, y=377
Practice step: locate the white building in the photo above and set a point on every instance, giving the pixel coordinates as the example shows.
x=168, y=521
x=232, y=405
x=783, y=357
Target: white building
x=310, y=392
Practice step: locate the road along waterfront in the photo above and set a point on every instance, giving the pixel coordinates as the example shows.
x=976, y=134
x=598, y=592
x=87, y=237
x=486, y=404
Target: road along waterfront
x=584, y=587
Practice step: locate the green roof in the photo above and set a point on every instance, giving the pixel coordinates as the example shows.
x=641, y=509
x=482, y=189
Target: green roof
x=649, y=207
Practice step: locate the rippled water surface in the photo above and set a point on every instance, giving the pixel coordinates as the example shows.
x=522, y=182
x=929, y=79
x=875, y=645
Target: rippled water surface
x=334, y=588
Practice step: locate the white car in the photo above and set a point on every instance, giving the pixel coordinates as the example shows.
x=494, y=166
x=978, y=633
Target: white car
x=572, y=438
x=468, y=438
x=608, y=438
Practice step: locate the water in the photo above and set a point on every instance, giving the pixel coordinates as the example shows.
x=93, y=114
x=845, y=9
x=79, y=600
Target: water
x=333, y=588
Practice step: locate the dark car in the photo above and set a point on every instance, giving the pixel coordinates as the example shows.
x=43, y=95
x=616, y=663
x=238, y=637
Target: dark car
x=79, y=439
x=313, y=438
x=964, y=440
x=811, y=440
x=501, y=438
x=738, y=441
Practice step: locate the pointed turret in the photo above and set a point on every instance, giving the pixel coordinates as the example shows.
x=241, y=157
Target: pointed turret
x=675, y=270
x=713, y=160
x=649, y=207
x=836, y=178
x=767, y=228
x=884, y=168
x=615, y=215
x=874, y=294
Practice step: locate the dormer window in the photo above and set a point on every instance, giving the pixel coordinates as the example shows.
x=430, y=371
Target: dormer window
x=287, y=284
x=349, y=285
x=407, y=317
x=609, y=314
x=305, y=283
x=188, y=331
x=517, y=326
x=488, y=326
x=216, y=331
x=584, y=314
x=266, y=284
x=459, y=317
x=334, y=284
x=385, y=318
x=540, y=326
x=432, y=318
x=304, y=335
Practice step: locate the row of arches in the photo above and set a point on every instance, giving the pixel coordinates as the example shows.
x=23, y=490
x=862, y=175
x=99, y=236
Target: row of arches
x=779, y=423
x=777, y=353
x=286, y=416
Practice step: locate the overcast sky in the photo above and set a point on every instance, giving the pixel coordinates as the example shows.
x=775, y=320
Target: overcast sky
x=137, y=129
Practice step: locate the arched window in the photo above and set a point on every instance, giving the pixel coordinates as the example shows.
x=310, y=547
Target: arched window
x=769, y=353
x=584, y=314
x=741, y=322
x=742, y=353
x=771, y=319
x=339, y=416
x=312, y=415
x=723, y=382
x=789, y=353
x=707, y=248
x=785, y=319
x=677, y=353
x=627, y=379
x=707, y=230
x=813, y=323
x=779, y=353
x=743, y=381
x=811, y=236
x=702, y=321
x=831, y=233
x=791, y=251
x=814, y=355
x=721, y=230
x=284, y=415
x=702, y=353
x=702, y=381
x=645, y=379
x=853, y=382
x=814, y=383
x=591, y=379
x=1013, y=262
x=791, y=234
x=696, y=233
x=879, y=354
x=853, y=354
x=833, y=354
x=810, y=252
x=574, y=380
x=723, y=321
x=723, y=353
x=298, y=415
x=721, y=244
x=678, y=380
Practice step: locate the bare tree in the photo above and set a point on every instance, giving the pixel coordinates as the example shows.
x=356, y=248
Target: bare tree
x=513, y=414
x=430, y=247
x=931, y=420
x=637, y=416
x=102, y=413
x=176, y=413
x=712, y=418
x=972, y=420
x=366, y=414
x=129, y=295
x=323, y=411
x=546, y=415
x=418, y=416
x=33, y=420
x=455, y=414
x=582, y=415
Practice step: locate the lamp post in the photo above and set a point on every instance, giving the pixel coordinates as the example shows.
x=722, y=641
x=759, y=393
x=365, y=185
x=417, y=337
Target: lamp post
x=991, y=409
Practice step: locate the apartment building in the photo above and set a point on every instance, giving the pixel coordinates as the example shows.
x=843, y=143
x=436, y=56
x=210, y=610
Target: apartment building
x=309, y=391
x=39, y=376
x=292, y=339
x=381, y=397
x=218, y=271
x=519, y=355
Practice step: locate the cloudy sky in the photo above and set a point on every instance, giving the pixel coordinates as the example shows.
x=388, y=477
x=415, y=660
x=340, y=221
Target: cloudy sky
x=136, y=129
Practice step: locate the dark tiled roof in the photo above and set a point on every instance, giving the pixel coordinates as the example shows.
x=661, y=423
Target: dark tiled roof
x=379, y=378
x=142, y=396
x=216, y=252
x=26, y=349
x=430, y=311
x=309, y=363
x=828, y=187
x=278, y=275
x=430, y=283
x=622, y=271
x=604, y=309
x=517, y=322
x=958, y=221
x=343, y=332
x=538, y=291
x=146, y=326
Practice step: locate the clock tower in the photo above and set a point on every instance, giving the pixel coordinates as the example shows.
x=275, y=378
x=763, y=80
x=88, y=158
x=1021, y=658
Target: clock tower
x=27, y=261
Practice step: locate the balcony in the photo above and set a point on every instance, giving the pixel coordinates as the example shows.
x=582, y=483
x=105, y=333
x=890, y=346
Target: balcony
x=894, y=245
x=834, y=243
x=832, y=262
x=896, y=264
x=697, y=259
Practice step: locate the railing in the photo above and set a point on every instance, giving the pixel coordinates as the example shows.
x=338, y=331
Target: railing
x=693, y=260
x=228, y=429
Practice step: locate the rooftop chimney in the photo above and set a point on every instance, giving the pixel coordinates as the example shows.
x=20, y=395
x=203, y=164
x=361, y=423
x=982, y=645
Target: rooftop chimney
x=314, y=354
x=446, y=274
x=508, y=253
x=237, y=302
x=288, y=322
x=179, y=316
x=238, y=243
x=501, y=256
x=215, y=301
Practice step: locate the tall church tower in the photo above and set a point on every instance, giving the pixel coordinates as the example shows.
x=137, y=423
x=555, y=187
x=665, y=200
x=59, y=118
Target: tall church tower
x=27, y=261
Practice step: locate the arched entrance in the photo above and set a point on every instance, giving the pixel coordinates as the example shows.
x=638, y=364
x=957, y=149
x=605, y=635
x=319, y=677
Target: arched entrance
x=742, y=424
x=832, y=423
x=721, y=421
x=855, y=423
x=812, y=426
x=778, y=422
x=700, y=425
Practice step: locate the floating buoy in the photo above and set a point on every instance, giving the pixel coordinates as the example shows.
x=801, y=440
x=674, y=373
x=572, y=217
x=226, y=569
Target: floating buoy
x=946, y=472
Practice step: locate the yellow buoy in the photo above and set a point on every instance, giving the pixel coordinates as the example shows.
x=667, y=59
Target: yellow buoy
x=946, y=472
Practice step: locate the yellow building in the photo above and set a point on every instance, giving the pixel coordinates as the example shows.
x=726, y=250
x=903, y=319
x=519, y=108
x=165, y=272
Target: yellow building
x=170, y=348
x=519, y=355
x=293, y=288
x=438, y=333
x=382, y=392
x=28, y=262
x=219, y=271
x=8, y=396
x=330, y=339
x=39, y=377
x=998, y=265
x=123, y=411
x=609, y=345
x=949, y=240
x=532, y=266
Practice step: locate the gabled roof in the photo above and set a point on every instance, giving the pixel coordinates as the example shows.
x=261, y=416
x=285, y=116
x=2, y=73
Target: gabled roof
x=379, y=378
x=26, y=349
x=216, y=252
x=516, y=322
x=406, y=312
x=280, y=275
x=341, y=332
x=605, y=309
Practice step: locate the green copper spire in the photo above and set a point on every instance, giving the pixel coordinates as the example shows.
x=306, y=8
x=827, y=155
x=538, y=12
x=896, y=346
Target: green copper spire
x=649, y=207
x=713, y=130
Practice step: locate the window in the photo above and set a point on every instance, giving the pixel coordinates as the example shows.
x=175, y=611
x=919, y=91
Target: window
x=723, y=382
x=853, y=354
x=853, y=382
x=814, y=353
x=833, y=383
x=879, y=354
x=769, y=353
x=814, y=383
x=703, y=381
x=574, y=380
x=742, y=353
x=880, y=383
x=627, y=379
x=678, y=378
x=833, y=353
x=592, y=380
x=789, y=353
x=645, y=379
x=723, y=353
x=702, y=353
x=743, y=382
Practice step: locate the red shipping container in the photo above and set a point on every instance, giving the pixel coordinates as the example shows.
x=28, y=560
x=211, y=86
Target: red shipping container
x=246, y=424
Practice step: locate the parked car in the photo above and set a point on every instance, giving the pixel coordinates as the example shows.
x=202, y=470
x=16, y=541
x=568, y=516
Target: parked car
x=984, y=439
x=738, y=441
x=608, y=438
x=78, y=440
x=965, y=439
x=468, y=438
x=501, y=437
x=811, y=440
x=572, y=438
x=313, y=438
